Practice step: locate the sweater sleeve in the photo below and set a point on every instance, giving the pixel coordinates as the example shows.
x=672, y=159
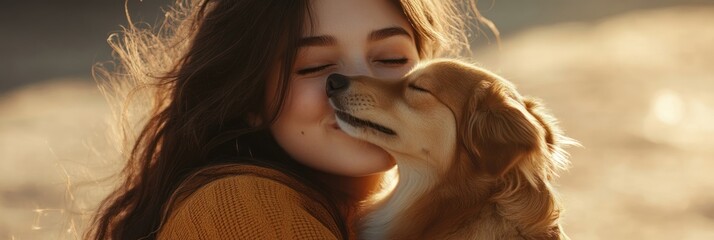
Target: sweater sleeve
x=247, y=207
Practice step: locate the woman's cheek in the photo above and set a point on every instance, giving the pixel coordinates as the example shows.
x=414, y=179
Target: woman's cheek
x=309, y=99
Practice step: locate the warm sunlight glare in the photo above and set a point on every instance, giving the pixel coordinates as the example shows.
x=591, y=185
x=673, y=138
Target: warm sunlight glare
x=668, y=107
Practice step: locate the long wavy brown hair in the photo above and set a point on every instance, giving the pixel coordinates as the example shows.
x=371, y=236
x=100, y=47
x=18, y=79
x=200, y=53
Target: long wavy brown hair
x=183, y=91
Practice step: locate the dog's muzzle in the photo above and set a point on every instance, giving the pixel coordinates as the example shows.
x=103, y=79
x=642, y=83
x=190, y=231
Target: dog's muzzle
x=337, y=83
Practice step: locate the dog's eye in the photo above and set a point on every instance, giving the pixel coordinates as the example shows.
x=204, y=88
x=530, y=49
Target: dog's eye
x=415, y=87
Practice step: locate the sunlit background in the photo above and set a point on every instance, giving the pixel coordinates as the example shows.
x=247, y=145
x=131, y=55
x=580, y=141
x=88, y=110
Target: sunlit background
x=632, y=80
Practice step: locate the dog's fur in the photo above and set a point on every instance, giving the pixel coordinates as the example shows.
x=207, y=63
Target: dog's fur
x=475, y=158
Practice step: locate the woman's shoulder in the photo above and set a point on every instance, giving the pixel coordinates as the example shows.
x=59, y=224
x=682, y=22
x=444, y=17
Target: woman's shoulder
x=252, y=202
x=252, y=179
x=252, y=185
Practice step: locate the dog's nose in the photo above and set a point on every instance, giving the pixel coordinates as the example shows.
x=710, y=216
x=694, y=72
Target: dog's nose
x=336, y=83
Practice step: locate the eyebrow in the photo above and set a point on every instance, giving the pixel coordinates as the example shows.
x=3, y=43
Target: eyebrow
x=373, y=36
x=388, y=32
x=317, y=41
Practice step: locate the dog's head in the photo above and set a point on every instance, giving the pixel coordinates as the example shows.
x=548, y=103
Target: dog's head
x=444, y=107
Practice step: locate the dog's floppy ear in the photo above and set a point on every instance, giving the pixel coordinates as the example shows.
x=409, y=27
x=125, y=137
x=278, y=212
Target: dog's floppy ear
x=499, y=129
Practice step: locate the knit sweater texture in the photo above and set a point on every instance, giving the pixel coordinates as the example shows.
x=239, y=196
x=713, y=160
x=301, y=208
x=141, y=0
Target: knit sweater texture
x=254, y=203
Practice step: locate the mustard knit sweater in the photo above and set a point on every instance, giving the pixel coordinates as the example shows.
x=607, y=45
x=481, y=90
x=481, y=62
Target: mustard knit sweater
x=256, y=203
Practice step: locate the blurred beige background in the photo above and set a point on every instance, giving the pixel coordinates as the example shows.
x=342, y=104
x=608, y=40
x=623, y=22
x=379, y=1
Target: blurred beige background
x=631, y=82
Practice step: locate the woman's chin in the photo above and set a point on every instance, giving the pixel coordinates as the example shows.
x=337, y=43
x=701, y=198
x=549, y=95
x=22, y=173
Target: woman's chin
x=359, y=157
x=370, y=162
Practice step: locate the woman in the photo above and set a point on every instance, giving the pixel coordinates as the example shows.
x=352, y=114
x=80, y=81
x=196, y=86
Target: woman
x=240, y=141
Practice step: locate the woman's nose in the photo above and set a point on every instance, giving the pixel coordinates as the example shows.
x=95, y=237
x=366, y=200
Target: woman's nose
x=336, y=83
x=356, y=65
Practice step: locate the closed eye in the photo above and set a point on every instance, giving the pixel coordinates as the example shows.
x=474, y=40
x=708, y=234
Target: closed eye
x=415, y=87
x=306, y=71
x=395, y=61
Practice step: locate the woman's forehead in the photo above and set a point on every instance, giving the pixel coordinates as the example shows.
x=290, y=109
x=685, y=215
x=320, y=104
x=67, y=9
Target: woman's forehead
x=353, y=18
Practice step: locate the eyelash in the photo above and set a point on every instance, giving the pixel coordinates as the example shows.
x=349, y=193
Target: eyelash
x=397, y=61
x=305, y=71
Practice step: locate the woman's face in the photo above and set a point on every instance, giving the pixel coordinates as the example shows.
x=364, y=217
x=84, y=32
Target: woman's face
x=350, y=37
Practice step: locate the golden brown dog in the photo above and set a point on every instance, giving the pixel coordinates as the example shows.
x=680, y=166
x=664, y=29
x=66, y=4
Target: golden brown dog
x=475, y=158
